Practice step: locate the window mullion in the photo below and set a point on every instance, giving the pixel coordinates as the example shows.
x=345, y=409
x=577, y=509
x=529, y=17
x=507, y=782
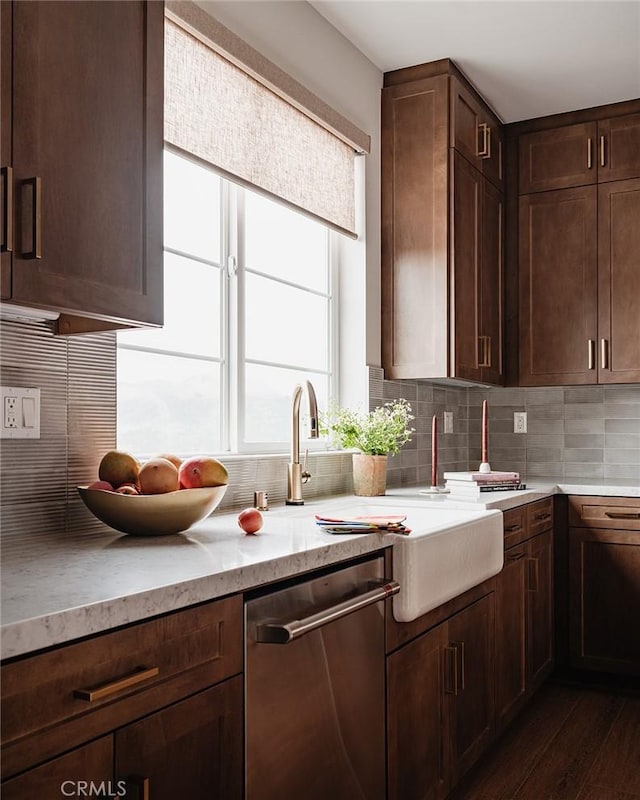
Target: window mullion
x=236, y=348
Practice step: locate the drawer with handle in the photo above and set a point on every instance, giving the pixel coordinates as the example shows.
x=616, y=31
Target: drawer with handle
x=614, y=513
x=540, y=516
x=107, y=674
x=515, y=526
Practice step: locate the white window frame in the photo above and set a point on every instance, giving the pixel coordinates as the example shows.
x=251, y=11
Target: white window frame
x=232, y=359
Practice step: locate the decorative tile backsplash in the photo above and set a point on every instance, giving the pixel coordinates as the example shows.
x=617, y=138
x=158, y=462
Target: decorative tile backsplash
x=572, y=432
x=590, y=432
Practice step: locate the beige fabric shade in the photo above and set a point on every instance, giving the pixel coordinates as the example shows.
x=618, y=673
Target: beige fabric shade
x=217, y=112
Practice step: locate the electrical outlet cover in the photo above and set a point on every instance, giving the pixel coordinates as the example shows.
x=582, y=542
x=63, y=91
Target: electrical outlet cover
x=20, y=413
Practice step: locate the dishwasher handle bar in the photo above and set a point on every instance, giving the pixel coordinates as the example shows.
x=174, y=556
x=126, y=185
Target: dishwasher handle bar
x=285, y=632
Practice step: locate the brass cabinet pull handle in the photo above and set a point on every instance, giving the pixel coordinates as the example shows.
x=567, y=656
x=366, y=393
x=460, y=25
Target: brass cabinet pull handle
x=7, y=205
x=451, y=669
x=515, y=556
x=511, y=528
x=139, y=675
x=484, y=351
x=592, y=353
x=460, y=652
x=589, y=153
x=534, y=575
x=622, y=514
x=36, y=217
x=499, y=159
x=137, y=788
x=602, y=155
x=543, y=515
x=485, y=150
x=604, y=353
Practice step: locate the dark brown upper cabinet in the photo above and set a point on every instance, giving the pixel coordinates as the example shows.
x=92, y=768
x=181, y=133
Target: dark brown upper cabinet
x=579, y=239
x=477, y=229
x=581, y=154
x=619, y=148
x=558, y=158
x=619, y=281
x=83, y=104
x=442, y=230
x=476, y=132
x=558, y=287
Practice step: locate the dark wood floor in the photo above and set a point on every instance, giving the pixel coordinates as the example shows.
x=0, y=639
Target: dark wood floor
x=569, y=744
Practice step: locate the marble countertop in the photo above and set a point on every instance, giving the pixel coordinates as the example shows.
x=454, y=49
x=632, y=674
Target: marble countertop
x=57, y=587
x=537, y=489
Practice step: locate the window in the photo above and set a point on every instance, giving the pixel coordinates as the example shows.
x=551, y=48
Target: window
x=249, y=312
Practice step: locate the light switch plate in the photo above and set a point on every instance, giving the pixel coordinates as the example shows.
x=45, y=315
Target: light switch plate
x=20, y=413
x=448, y=422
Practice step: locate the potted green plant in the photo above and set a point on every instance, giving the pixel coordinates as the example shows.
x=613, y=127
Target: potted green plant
x=376, y=434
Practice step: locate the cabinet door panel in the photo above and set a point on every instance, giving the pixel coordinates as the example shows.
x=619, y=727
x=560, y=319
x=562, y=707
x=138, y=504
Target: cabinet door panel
x=540, y=609
x=6, y=254
x=87, y=121
x=492, y=166
x=415, y=719
x=492, y=303
x=619, y=148
x=61, y=777
x=558, y=158
x=466, y=118
x=619, y=281
x=202, y=734
x=472, y=717
x=604, y=568
x=511, y=630
x=414, y=229
x=467, y=260
x=558, y=287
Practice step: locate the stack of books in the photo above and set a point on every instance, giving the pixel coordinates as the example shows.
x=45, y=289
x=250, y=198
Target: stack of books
x=474, y=484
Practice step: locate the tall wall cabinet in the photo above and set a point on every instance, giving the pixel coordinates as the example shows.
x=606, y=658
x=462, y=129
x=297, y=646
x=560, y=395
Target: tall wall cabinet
x=579, y=246
x=442, y=228
x=82, y=139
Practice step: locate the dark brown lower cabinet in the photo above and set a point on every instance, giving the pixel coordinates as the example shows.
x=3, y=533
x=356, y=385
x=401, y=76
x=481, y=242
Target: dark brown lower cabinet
x=511, y=635
x=440, y=704
x=69, y=775
x=151, y=710
x=524, y=624
x=540, y=651
x=416, y=719
x=202, y=734
x=604, y=579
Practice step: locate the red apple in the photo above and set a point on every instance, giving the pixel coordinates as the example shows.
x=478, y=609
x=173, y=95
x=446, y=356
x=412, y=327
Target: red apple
x=127, y=488
x=104, y=485
x=250, y=520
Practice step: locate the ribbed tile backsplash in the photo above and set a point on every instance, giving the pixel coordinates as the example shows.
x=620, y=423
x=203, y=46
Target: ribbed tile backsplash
x=77, y=379
x=589, y=432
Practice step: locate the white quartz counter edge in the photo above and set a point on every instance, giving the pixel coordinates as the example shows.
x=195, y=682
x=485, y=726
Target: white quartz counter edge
x=536, y=490
x=60, y=587
x=56, y=588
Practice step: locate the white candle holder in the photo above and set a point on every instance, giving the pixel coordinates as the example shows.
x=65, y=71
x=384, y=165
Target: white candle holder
x=484, y=467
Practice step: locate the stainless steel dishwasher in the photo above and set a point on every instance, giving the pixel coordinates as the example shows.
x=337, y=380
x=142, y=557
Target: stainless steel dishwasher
x=315, y=687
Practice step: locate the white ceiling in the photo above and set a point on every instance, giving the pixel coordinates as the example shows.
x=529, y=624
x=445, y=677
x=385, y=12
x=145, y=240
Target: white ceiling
x=528, y=58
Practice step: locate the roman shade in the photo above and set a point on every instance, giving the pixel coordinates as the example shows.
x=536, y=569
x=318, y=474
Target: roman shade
x=230, y=107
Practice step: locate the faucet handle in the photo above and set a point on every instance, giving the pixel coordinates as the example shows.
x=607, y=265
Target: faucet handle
x=305, y=474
